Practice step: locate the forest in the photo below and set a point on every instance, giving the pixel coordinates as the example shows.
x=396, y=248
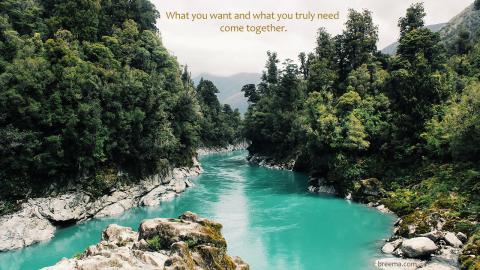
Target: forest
x=354, y=116
x=92, y=98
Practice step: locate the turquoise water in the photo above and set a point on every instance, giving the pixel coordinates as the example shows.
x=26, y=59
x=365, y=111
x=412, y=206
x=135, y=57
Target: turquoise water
x=269, y=220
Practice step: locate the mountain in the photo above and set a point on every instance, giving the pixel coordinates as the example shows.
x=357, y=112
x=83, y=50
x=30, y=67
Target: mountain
x=230, y=87
x=392, y=48
x=468, y=19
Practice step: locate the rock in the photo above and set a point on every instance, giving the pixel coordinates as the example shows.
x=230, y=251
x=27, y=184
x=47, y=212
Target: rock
x=24, y=228
x=418, y=247
x=447, y=255
x=434, y=235
x=388, y=248
x=229, y=148
x=462, y=237
x=348, y=197
x=391, y=247
x=153, y=197
x=437, y=266
x=111, y=210
x=65, y=208
x=452, y=240
x=188, y=242
x=398, y=264
x=367, y=190
x=118, y=234
x=382, y=208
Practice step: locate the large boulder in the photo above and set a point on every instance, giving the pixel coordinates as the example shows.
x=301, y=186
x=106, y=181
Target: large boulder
x=189, y=243
x=65, y=208
x=23, y=229
x=418, y=247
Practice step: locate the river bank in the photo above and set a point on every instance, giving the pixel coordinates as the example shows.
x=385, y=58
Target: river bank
x=39, y=218
x=216, y=150
x=438, y=249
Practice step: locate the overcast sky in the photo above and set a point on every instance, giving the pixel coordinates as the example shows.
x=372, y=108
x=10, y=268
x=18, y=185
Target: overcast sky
x=205, y=49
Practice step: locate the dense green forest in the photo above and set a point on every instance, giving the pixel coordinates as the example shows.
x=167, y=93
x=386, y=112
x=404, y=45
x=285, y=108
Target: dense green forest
x=90, y=97
x=350, y=114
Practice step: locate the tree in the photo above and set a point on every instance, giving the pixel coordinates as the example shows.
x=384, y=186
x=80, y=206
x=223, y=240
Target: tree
x=250, y=92
x=357, y=44
x=414, y=19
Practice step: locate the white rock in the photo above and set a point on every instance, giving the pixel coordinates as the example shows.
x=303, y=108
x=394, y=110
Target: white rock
x=434, y=235
x=452, y=240
x=23, y=229
x=382, y=208
x=418, y=247
x=388, y=248
x=447, y=255
x=111, y=210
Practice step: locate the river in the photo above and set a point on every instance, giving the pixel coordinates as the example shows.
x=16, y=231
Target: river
x=269, y=219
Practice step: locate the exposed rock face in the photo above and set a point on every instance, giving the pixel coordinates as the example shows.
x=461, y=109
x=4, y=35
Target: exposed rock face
x=239, y=146
x=189, y=243
x=418, y=247
x=24, y=228
x=38, y=218
x=270, y=163
x=367, y=190
x=321, y=185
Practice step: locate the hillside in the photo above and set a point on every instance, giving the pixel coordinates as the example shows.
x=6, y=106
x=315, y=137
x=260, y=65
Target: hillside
x=230, y=86
x=468, y=19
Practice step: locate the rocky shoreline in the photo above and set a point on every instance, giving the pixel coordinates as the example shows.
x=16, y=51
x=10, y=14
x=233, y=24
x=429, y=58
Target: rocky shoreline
x=229, y=148
x=270, y=163
x=38, y=218
x=188, y=242
x=435, y=250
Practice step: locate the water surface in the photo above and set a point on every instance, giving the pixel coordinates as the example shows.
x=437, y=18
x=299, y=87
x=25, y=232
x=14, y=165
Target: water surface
x=269, y=220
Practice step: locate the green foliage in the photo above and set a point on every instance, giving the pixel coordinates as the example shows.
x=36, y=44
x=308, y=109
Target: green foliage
x=352, y=114
x=414, y=19
x=220, y=125
x=469, y=259
x=89, y=95
x=458, y=123
x=156, y=243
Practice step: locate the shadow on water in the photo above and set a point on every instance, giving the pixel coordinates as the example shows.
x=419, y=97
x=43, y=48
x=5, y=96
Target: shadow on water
x=268, y=217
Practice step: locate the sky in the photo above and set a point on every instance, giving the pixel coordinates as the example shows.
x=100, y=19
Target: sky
x=201, y=46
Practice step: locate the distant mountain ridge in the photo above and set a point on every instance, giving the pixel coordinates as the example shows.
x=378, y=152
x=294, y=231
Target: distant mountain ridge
x=392, y=48
x=468, y=19
x=230, y=87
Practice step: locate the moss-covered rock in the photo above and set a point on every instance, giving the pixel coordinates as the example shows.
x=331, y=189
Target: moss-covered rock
x=187, y=243
x=470, y=257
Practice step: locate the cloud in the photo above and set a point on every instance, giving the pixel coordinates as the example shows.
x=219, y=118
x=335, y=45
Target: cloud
x=205, y=49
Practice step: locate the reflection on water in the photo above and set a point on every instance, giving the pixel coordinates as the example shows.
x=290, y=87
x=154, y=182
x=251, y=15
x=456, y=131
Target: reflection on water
x=269, y=220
